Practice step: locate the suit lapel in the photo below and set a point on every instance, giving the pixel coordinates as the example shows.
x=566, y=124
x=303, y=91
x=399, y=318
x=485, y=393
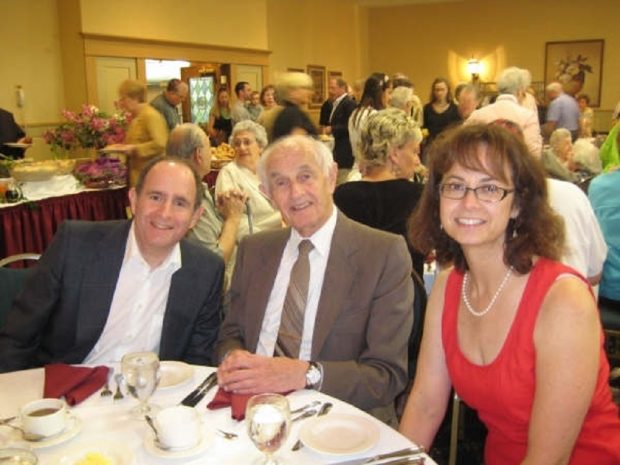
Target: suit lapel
x=262, y=272
x=339, y=277
x=98, y=286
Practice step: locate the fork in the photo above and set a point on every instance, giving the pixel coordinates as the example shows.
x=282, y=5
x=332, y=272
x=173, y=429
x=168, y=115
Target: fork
x=227, y=435
x=118, y=394
x=106, y=392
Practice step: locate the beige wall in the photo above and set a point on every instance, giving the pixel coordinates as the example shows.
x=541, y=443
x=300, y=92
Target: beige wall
x=426, y=41
x=30, y=57
x=317, y=32
x=235, y=23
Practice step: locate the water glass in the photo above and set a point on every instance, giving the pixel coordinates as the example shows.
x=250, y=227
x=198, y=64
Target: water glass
x=141, y=373
x=268, y=420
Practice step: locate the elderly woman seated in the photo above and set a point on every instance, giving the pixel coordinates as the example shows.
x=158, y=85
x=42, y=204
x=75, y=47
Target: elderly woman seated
x=248, y=139
x=568, y=162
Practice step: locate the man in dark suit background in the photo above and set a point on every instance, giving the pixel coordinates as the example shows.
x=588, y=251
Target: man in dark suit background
x=10, y=131
x=356, y=313
x=342, y=107
x=103, y=289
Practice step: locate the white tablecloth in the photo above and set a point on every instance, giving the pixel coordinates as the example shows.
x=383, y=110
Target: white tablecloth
x=104, y=419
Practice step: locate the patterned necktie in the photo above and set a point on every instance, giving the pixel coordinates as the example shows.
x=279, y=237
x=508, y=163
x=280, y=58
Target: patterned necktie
x=292, y=320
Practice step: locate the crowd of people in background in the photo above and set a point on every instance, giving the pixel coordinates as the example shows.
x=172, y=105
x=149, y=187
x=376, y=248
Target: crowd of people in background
x=314, y=232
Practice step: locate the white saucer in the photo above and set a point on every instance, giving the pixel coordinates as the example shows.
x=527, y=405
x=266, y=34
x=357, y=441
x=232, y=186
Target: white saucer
x=74, y=426
x=152, y=448
x=339, y=434
x=116, y=452
x=174, y=374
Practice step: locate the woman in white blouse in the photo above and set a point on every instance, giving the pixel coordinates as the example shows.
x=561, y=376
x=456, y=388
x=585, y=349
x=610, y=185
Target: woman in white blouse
x=248, y=139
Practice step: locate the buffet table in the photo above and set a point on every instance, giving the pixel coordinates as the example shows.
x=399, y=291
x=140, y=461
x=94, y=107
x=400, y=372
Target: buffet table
x=105, y=424
x=28, y=226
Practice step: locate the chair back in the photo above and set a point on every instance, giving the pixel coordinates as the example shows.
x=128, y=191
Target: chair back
x=12, y=281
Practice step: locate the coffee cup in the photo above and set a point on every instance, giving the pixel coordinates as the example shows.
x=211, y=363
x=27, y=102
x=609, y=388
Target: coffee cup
x=178, y=427
x=45, y=417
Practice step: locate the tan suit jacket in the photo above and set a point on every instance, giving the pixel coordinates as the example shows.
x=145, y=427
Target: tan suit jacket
x=364, y=315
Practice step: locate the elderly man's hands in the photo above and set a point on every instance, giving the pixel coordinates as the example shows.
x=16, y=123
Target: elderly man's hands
x=245, y=373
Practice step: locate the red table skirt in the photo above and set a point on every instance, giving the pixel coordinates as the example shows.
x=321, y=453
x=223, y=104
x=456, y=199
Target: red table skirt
x=29, y=227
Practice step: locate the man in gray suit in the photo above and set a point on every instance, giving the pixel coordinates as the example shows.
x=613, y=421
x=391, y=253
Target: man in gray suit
x=357, y=304
x=105, y=289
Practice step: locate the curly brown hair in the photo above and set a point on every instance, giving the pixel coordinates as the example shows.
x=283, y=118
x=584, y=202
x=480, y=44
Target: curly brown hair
x=539, y=230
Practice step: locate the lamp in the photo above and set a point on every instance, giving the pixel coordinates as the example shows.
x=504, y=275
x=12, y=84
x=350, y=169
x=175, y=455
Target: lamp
x=473, y=67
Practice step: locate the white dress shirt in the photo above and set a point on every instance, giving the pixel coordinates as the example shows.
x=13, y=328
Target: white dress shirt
x=136, y=315
x=322, y=241
x=335, y=105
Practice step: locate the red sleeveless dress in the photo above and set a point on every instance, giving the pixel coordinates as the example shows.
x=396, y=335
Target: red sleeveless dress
x=503, y=391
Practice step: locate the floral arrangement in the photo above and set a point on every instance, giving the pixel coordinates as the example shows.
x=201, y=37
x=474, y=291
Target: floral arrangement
x=101, y=172
x=91, y=128
x=572, y=69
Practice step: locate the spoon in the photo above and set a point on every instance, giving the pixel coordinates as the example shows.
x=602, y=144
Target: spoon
x=149, y=421
x=314, y=403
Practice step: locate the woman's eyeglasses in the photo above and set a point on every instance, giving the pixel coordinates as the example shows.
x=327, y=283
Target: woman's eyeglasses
x=485, y=193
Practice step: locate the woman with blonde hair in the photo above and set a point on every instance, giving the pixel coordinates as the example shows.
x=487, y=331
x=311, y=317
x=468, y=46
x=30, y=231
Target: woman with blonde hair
x=147, y=133
x=294, y=90
x=220, y=122
x=385, y=197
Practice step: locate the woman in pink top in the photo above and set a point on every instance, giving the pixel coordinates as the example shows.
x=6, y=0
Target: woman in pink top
x=515, y=332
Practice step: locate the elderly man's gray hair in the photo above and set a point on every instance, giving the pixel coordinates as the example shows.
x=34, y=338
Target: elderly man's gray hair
x=296, y=143
x=250, y=126
x=401, y=96
x=554, y=87
x=558, y=136
x=184, y=140
x=513, y=80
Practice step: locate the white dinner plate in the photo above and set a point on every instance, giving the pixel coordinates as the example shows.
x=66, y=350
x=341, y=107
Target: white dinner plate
x=116, y=453
x=173, y=374
x=17, y=145
x=74, y=426
x=339, y=434
x=152, y=448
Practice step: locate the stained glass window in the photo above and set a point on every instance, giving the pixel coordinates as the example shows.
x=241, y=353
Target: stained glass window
x=201, y=94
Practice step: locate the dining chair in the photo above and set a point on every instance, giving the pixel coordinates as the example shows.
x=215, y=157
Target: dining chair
x=12, y=281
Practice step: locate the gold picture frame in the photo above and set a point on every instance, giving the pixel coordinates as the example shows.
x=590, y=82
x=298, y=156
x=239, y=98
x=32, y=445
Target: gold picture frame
x=317, y=73
x=577, y=65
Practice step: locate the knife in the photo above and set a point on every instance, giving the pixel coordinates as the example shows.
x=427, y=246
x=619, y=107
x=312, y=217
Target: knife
x=400, y=454
x=197, y=394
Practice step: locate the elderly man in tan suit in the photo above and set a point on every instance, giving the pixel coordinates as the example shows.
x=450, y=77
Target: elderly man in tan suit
x=329, y=297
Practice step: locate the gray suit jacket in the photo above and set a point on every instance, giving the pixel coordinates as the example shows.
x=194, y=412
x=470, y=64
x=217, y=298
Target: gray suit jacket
x=364, y=315
x=63, y=309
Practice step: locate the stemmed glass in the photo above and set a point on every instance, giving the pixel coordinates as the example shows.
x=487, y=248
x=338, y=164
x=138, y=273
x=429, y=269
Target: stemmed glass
x=141, y=373
x=268, y=419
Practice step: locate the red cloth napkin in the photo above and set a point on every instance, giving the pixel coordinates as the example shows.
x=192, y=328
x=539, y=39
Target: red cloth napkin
x=74, y=383
x=237, y=402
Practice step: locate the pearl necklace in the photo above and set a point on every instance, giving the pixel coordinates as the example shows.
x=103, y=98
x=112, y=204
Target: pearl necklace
x=469, y=306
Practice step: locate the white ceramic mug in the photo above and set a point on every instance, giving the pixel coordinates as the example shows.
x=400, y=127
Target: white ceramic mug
x=178, y=427
x=45, y=417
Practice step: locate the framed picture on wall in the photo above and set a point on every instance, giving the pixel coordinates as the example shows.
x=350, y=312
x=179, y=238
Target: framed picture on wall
x=317, y=73
x=577, y=65
x=333, y=75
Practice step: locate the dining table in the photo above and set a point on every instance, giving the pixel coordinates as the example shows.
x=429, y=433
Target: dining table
x=104, y=425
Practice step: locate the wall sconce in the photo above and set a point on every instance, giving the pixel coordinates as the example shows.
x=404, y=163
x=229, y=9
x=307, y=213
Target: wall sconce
x=474, y=67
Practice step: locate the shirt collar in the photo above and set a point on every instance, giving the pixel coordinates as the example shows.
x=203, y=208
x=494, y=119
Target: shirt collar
x=322, y=238
x=507, y=97
x=339, y=99
x=133, y=254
